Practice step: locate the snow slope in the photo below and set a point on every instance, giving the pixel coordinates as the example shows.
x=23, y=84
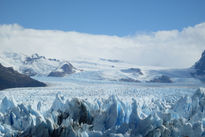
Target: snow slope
x=118, y=70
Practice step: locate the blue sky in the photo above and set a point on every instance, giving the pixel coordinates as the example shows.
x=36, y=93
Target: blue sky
x=108, y=17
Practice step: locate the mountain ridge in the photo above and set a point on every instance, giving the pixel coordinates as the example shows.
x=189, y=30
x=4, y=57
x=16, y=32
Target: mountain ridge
x=9, y=78
x=199, y=68
x=34, y=65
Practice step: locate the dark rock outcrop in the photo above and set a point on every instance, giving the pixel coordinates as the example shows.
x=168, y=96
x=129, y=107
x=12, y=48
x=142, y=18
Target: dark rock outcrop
x=129, y=80
x=199, y=68
x=28, y=71
x=132, y=70
x=33, y=58
x=161, y=79
x=66, y=68
x=111, y=60
x=200, y=65
x=9, y=78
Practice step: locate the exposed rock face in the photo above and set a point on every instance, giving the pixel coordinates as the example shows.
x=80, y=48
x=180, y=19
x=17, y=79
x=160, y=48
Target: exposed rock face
x=129, y=80
x=33, y=58
x=64, y=69
x=161, y=79
x=28, y=71
x=110, y=60
x=199, y=68
x=10, y=78
x=133, y=71
x=200, y=65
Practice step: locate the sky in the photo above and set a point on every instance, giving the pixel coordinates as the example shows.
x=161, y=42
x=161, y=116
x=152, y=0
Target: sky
x=108, y=17
x=152, y=33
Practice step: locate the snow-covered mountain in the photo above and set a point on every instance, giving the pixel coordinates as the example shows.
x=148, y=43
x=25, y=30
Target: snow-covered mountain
x=199, y=68
x=102, y=69
x=62, y=70
x=200, y=65
x=116, y=70
x=34, y=65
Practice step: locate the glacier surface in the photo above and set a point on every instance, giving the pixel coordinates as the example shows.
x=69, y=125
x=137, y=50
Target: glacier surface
x=109, y=116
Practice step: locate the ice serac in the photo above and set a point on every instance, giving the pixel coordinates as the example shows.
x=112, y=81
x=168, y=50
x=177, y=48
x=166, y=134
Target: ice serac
x=16, y=118
x=110, y=118
x=9, y=78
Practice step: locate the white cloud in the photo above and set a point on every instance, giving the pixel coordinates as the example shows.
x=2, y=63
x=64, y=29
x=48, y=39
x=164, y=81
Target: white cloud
x=172, y=48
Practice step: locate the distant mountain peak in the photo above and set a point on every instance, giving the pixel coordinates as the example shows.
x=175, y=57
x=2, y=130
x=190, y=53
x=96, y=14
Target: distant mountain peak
x=200, y=65
x=63, y=69
x=33, y=58
x=37, y=56
x=34, y=64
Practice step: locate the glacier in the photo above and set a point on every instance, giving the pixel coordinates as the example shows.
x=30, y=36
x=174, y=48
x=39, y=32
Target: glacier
x=108, y=98
x=105, y=117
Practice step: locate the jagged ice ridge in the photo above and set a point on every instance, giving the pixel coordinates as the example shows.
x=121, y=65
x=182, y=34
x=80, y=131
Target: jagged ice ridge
x=111, y=117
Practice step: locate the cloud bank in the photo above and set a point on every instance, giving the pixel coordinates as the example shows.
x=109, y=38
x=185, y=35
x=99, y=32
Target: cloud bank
x=171, y=48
